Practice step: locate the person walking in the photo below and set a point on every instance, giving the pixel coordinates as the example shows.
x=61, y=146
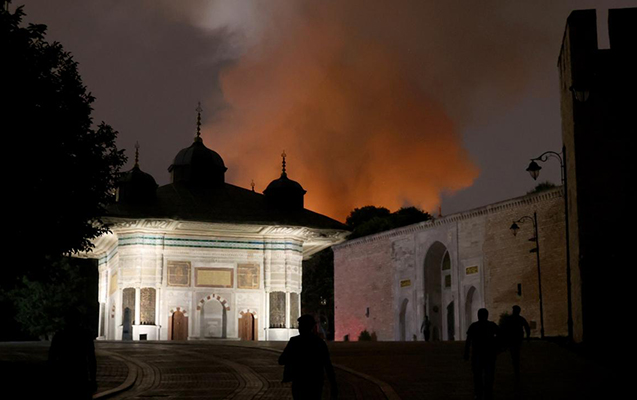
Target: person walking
x=482, y=342
x=72, y=360
x=306, y=359
x=515, y=326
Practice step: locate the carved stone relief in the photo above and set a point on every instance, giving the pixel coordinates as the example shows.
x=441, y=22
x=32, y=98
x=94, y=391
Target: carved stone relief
x=179, y=273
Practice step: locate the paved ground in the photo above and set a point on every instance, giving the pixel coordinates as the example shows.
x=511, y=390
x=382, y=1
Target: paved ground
x=371, y=370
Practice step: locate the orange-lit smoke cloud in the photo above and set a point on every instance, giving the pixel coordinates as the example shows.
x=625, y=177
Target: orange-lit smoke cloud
x=334, y=85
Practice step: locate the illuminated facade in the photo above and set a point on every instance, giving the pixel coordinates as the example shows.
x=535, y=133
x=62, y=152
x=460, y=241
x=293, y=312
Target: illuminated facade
x=200, y=258
x=449, y=267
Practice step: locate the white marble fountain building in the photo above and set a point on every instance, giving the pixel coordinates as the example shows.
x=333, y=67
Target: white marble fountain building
x=200, y=258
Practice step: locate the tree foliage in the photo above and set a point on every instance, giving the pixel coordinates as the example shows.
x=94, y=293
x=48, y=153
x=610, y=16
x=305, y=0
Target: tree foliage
x=60, y=169
x=41, y=306
x=541, y=187
x=317, y=297
x=370, y=219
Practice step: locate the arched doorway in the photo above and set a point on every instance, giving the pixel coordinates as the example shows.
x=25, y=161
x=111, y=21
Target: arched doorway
x=402, y=321
x=178, y=325
x=248, y=326
x=470, y=307
x=433, y=287
x=451, y=322
x=127, y=325
x=213, y=317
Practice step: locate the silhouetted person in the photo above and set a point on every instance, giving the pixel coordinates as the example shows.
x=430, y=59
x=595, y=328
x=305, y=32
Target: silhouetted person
x=425, y=328
x=482, y=340
x=514, y=328
x=72, y=360
x=306, y=358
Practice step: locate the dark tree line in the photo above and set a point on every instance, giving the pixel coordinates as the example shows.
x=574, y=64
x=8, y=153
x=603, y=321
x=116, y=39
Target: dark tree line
x=60, y=170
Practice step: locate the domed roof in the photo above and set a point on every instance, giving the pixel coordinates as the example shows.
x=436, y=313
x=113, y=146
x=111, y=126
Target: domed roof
x=284, y=193
x=137, y=177
x=136, y=186
x=284, y=183
x=198, y=154
x=197, y=164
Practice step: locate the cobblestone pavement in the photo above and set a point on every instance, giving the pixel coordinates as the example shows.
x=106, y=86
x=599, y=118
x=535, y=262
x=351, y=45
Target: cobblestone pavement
x=209, y=370
x=249, y=370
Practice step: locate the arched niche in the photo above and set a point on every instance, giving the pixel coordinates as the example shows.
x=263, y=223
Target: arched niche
x=433, y=266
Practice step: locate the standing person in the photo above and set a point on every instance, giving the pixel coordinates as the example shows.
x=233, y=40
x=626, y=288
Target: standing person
x=72, y=360
x=425, y=328
x=482, y=340
x=306, y=358
x=515, y=326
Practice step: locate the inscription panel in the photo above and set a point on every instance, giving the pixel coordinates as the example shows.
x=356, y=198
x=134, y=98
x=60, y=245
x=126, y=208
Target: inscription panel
x=472, y=270
x=214, y=277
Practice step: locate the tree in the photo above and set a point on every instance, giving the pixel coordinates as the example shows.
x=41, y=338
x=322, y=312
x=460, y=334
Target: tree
x=370, y=219
x=360, y=216
x=317, y=297
x=60, y=170
x=41, y=306
x=541, y=187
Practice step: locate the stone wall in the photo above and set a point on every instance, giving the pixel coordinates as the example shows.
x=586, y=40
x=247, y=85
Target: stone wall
x=508, y=263
x=391, y=272
x=363, y=279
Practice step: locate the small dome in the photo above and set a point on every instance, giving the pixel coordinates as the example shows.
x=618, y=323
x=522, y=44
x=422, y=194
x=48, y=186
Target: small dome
x=136, y=186
x=284, y=193
x=198, y=164
x=284, y=183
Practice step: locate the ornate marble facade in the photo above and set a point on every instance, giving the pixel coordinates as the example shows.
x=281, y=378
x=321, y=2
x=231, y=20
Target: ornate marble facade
x=214, y=279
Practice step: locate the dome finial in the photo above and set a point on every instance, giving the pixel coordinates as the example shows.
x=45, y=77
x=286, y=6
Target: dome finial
x=252, y=184
x=137, y=154
x=283, y=155
x=199, y=110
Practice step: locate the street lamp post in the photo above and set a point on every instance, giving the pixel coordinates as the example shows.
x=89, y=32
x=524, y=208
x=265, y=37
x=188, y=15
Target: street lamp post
x=515, y=228
x=534, y=171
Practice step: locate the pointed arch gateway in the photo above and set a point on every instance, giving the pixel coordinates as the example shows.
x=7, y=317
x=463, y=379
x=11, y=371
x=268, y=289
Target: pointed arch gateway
x=470, y=306
x=433, y=265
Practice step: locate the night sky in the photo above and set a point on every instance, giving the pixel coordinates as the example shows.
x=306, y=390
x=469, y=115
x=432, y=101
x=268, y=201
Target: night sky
x=421, y=103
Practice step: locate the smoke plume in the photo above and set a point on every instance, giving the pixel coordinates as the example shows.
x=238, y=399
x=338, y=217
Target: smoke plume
x=366, y=98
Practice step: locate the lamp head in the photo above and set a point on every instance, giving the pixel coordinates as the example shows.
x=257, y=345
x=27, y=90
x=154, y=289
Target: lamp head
x=514, y=229
x=534, y=169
